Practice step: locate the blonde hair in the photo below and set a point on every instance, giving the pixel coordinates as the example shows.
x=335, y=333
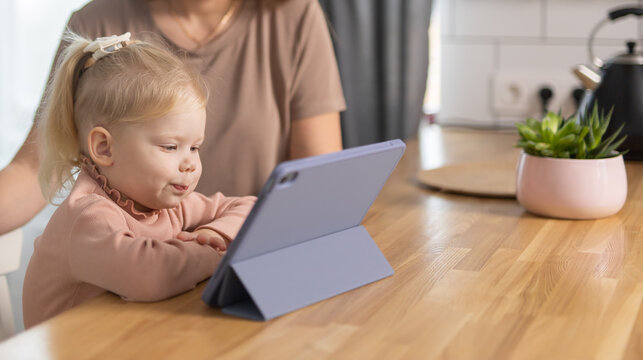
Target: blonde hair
x=141, y=81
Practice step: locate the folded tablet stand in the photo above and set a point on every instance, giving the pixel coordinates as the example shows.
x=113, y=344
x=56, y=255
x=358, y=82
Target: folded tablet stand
x=276, y=283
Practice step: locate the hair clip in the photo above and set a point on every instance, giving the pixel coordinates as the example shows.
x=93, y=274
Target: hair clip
x=106, y=45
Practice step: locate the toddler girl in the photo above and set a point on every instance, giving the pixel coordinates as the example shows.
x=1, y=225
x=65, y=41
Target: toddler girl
x=129, y=118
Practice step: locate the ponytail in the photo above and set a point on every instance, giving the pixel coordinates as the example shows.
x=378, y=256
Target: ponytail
x=58, y=132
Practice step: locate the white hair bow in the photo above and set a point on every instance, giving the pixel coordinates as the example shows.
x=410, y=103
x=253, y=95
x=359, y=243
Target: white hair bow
x=105, y=45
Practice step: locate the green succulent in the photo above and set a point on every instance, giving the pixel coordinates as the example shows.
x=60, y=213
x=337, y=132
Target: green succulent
x=571, y=138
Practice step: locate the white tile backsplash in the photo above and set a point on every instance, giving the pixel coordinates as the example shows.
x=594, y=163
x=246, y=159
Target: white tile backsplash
x=497, y=18
x=577, y=18
x=465, y=97
x=446, y=11
x=481, y=38
x=550, y=56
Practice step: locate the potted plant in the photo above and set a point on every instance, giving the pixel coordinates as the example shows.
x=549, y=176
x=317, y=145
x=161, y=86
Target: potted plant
x=567, y=170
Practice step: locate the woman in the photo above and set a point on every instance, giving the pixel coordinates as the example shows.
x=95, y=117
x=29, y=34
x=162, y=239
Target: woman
x=274, y=87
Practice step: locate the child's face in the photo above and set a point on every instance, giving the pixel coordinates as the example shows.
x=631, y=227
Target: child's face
x=156, y=162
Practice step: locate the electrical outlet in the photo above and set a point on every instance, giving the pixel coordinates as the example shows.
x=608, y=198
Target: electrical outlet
x=515, y=94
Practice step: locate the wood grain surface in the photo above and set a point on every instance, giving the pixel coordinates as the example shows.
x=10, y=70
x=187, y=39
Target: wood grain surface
x=475, y=278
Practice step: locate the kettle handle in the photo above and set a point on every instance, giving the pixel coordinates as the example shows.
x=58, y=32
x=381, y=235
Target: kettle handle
x=620, y=12
x=611, y=16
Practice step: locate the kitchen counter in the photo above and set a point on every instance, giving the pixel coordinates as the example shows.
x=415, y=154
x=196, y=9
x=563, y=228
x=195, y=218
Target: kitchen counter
x=475, y=278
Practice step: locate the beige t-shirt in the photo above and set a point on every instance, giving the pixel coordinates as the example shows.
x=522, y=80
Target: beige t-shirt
x=270, y=67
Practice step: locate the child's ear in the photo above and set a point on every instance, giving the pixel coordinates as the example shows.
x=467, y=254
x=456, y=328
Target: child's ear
x=99, y=143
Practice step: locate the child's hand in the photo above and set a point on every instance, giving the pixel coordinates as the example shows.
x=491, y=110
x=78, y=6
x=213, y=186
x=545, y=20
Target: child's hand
x=204, y=237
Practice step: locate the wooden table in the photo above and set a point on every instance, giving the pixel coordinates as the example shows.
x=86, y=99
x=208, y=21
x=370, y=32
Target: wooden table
x=475, y=278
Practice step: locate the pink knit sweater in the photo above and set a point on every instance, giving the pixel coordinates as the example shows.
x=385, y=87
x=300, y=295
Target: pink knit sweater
x=97, y=242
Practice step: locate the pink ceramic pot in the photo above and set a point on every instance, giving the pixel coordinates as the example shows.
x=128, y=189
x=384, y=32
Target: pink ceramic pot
x=571, y=188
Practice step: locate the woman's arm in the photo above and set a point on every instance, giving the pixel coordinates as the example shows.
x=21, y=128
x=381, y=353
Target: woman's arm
x=20, y=195
x=315, y=135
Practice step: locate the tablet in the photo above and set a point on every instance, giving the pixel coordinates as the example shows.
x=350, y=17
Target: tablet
x=302, y=240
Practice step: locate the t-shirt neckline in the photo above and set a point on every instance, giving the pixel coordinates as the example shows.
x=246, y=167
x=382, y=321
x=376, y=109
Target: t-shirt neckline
x=232, y=32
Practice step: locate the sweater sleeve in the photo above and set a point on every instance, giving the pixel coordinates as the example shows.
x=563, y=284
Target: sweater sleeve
x=225, y=215
x=104, y=252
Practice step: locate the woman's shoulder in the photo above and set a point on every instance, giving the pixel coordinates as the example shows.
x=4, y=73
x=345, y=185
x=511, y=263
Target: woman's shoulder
x=108, y=17
x=293, y=20
x=288, y=5
x=294, y=10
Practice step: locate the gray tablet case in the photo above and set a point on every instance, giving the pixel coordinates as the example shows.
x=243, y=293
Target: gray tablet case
x=302, y=242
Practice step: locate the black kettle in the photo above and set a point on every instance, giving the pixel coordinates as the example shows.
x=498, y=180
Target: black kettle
x=619, y=85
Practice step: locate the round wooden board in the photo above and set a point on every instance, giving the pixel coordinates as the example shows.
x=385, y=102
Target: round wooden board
x=489, y=179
